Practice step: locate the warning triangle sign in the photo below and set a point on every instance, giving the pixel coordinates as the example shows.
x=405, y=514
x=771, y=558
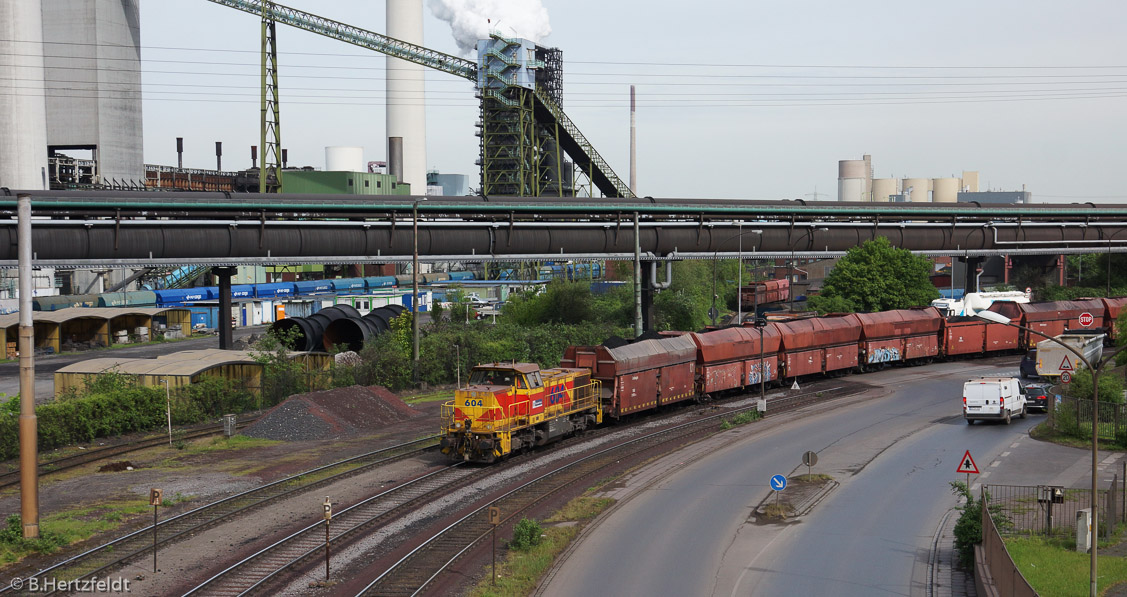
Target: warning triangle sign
x=967, y=465
x=795, y=385
x=1065, y=365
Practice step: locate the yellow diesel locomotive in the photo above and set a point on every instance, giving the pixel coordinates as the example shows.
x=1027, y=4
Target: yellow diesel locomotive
x=509, y=407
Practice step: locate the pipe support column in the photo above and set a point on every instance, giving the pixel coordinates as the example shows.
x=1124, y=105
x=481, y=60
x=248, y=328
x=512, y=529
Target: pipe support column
x=28, y=424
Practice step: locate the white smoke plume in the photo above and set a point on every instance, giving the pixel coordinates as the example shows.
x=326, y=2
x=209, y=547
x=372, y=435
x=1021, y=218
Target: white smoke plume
x=471, y=20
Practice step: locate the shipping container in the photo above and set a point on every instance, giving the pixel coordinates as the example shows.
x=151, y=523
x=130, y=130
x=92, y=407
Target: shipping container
x=348, y=285
x=307, y=287
x=274, y=290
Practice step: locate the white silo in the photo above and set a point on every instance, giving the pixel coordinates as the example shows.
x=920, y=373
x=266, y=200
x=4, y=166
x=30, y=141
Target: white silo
x=852, y=180
x=944, y=190
x=23, y=116
x=406, y=115
x=915, y=189
x=882, y=188
x=344, y=159
x=970, y=181
x=93, y=80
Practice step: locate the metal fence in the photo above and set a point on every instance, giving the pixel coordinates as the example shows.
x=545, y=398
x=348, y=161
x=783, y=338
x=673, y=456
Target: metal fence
x=1074, y=416
x=1007, y=579
x=1051, y=510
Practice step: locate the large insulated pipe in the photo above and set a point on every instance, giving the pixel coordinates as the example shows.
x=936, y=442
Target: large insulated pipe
x=406, y=116
x=637, y=280
x=29, y=456
x=23, y=112
x=302, y=330
x=351, y=332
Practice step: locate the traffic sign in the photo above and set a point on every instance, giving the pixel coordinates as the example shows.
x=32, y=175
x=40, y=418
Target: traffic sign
x=1065, y=377
x=967, y=465
x=1086, y=319
x=810, y=458
x=778, y=482
x=1065, y=364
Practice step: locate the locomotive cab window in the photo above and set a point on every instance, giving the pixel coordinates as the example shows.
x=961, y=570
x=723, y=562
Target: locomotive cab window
x=520, y=383
x=534, y=380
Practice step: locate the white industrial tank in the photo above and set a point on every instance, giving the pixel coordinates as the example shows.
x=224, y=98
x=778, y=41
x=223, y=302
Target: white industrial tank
x=23, y=116
x=882, y=188
x=851, y=180
x=944, y=190
x=919, y=188
x=344, y=159
x=406, y=117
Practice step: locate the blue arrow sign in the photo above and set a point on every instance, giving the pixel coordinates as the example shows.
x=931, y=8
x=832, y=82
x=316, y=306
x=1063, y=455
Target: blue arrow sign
x=778, y=482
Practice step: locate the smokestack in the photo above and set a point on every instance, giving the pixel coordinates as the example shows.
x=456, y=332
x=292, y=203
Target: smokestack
x=285, y=157
x=219, y=155
x=180, y=152
x=253, y=156
x=395, y=158
x=23, y=121
x=406, y=117
x=633, y=146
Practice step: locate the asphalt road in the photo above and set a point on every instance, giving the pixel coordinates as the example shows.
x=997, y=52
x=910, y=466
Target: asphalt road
x=46, y=365
x=894, y=457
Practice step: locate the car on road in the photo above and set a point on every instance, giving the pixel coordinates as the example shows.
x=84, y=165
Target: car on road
x=1037, y=395
x=993, y=398
x=1028, y=367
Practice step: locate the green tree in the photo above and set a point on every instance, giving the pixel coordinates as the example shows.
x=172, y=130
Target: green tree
x=1111, y=386
x=876, y=277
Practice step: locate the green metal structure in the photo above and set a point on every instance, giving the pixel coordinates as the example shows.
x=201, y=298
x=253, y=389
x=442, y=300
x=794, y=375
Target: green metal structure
x=270, y=169
x=524, y=133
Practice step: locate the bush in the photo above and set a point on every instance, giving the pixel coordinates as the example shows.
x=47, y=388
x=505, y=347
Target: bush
x=526, y=535
x=968, y=529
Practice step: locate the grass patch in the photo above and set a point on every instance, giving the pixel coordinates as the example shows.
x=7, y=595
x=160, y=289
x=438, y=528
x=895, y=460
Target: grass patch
x=777, y=511
x=1054, y=569
x=813, y=478
x=435, y=396
x=743, y=418
x=61, y=529
x=519, y=571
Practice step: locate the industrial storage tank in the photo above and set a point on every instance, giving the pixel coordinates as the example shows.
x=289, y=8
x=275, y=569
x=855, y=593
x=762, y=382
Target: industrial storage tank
x=919, y=188
x=944, y=190
x=852, y=179
x=882, y=188
x=344, y=159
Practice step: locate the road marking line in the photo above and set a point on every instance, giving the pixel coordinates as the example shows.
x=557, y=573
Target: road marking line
x=1004, y=454
x=984, y=475
x=995, y=463
x=1014, y=445
x=975, y=486
x=1109, y=460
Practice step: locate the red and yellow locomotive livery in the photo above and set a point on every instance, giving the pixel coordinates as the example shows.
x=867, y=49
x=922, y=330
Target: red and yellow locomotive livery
x=509, y=407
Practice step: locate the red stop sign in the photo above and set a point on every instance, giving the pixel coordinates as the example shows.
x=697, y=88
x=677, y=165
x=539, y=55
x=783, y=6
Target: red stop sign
x=1086, y=319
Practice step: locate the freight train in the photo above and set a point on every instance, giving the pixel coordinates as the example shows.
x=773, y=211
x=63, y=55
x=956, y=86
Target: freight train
x=179, y=297
x=510, y=407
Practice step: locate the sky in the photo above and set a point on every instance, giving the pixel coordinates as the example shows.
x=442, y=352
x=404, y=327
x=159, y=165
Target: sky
x=736, y=100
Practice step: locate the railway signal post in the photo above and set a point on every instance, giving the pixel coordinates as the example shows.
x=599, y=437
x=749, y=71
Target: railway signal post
x=328, y=507
x=494, y=519
x=156, y=496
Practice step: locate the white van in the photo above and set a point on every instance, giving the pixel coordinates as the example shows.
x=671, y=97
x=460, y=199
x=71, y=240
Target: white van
x=993, y=398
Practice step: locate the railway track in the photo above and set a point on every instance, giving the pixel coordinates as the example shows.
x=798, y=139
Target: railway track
x=56, y=465
x=413, y=573
x=109, y=555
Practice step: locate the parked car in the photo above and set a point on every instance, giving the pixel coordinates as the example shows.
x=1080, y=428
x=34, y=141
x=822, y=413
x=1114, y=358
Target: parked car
x=1037, y=395
x=993, y=398
x=1028, y=366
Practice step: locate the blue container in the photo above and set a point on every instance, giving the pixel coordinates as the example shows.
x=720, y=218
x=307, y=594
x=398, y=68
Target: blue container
x=348, y=285
x=178, y=297
x=375, y=282
x=462, y=275
x=313, y=287
x=242, y=291
x=274, y=290
x=204, y=315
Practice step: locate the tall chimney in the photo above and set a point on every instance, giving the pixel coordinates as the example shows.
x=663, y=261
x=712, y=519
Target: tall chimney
x=285, y=157
x=253, y=157
x=219, y=155
x=406, y=115
x=395, y=159
x=180, y=152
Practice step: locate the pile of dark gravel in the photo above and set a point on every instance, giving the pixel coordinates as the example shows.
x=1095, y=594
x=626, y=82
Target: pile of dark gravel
x=332, y=414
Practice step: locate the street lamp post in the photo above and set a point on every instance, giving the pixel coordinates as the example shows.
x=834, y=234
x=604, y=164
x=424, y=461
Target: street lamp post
x=995, y=317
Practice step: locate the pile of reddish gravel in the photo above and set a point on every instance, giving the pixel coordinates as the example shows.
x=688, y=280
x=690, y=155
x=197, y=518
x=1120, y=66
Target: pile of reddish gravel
x=332, y=414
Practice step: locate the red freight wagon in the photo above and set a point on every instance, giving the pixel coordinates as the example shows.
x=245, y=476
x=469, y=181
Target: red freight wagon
x=1112, y=308
x=900, y=335
x=818, y=345
x=642, y=375
x=730, y=358
x=769, y=291
x=965, y=335
x=1050, y=319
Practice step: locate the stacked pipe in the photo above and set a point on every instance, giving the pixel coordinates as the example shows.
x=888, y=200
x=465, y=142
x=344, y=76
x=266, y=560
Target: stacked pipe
x=339, y=324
